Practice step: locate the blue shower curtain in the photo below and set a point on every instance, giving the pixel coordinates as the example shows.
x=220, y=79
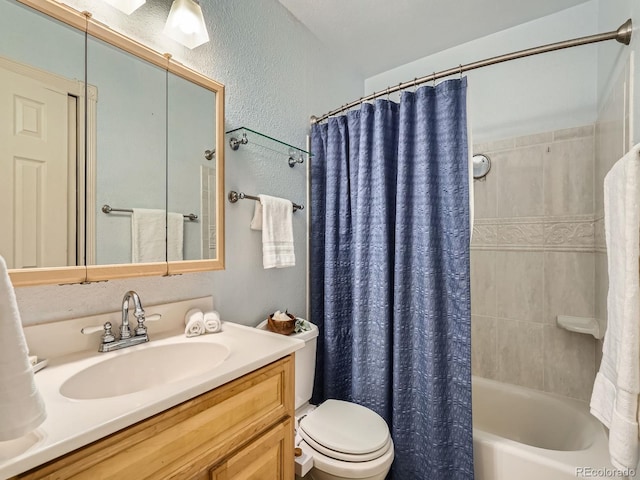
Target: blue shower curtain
x=390, y=273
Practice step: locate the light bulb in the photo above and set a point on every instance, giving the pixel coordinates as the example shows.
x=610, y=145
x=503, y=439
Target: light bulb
x=185, y=24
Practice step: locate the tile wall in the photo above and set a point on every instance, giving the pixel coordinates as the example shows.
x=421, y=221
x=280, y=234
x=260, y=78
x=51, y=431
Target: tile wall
x=612, y=141
x=532, y=258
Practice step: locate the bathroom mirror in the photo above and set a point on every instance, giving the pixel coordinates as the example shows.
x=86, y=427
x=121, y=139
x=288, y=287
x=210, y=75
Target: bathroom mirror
x=196, y=149
x=42, y=154
x=192, y=188
x=131, y=151
x=130, y=155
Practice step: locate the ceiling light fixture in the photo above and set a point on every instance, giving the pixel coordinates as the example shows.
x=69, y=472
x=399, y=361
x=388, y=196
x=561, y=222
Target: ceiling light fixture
x=126, y=6
x=186, y=24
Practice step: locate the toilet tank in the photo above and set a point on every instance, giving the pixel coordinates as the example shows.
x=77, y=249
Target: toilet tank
x=305, y=365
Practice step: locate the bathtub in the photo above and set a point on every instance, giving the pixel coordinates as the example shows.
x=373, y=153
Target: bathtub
x=523, y=434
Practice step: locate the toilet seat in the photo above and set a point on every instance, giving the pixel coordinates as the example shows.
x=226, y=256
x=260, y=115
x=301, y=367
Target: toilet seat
x=346, y=431
x=346, y=457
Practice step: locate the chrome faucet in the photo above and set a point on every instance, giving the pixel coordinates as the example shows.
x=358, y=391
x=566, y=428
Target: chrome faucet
x=125, y=331
x=109, y=341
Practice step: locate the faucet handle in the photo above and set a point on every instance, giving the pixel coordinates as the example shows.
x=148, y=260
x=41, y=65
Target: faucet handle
x=90, y=330
x=107, y=335
x=141, y=328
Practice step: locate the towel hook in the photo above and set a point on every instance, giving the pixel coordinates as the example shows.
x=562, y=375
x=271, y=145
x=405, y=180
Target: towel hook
x=234, y=143
x=292, y=158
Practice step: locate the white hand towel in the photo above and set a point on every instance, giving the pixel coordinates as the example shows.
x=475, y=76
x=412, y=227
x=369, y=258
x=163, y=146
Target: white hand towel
x=148, y=235
x=256, y=221
x=175, y=237
x=212, y=323
x=615, y=393
x=277, y=232
x=21, y=406
x=149, y=242
x=194, y=323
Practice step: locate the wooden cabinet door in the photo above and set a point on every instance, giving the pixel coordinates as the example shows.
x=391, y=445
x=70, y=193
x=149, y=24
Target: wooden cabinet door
x=270, y=457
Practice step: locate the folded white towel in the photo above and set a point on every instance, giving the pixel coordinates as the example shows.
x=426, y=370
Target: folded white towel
x=212, y=323
x=614, y=400
x=277, y=232
x=21, y=406
x=194, y=323
x=150, y=241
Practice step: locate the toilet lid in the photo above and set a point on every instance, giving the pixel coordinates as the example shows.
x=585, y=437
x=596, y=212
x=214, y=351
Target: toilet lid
x=347, y=428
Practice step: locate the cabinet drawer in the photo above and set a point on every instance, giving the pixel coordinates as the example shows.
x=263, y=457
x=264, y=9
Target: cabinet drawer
x=270, y=457
x=188, y=439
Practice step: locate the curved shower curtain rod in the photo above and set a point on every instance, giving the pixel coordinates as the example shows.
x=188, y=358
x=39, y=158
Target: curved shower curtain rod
x=621, y=35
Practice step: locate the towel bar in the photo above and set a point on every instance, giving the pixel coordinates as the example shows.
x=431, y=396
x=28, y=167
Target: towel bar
x=235, y=196
x=108, y=209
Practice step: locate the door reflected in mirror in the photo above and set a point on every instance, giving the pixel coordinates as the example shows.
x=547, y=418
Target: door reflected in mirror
x=41, y=134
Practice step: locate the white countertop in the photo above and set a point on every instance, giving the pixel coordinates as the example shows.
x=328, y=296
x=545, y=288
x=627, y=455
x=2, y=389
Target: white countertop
x=71, y=424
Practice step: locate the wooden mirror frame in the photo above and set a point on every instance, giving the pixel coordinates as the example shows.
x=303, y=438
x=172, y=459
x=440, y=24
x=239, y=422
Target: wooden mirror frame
x=94, y=273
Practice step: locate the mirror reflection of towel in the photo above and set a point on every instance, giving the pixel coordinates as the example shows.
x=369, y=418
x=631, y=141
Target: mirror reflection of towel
x=148, y=234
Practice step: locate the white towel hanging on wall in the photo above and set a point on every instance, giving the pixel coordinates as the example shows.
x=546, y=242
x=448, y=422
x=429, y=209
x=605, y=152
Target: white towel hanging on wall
x=21, y=406
x=615, y=393
x=274, y=216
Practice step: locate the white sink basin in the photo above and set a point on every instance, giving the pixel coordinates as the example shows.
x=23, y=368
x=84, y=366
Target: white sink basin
x=145, y=367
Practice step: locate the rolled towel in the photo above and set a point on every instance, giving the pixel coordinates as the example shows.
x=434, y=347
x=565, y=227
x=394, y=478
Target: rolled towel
x=194, y=323
x=212, y=323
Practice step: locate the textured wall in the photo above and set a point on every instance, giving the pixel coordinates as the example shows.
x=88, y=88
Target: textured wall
x=277, y=74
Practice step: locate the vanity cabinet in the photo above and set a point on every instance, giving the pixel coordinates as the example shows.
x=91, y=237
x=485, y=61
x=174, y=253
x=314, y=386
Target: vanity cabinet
x=240, y=430
x=262, y=459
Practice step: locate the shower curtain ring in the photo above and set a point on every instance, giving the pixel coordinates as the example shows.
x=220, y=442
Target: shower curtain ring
x=415, y=83
x=460, y=70
x=388, y=88
x=433, y=79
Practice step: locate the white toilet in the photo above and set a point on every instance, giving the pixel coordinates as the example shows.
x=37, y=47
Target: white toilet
x=344, y=440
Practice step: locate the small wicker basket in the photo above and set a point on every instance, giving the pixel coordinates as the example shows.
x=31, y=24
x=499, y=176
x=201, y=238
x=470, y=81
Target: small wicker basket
x=283, y=327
